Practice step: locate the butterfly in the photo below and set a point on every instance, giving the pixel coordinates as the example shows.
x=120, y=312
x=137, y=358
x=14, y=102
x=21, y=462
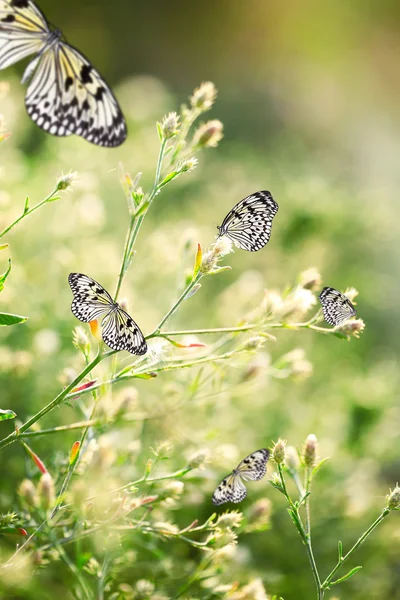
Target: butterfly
x=252, y=468
x=249, y=223
x=336, y=307
x=91, y=302
x=66, y=95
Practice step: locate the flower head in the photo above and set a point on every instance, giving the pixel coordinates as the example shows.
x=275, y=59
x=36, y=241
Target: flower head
x=279, y=451
x=310, y=279
x=81, y=340
x=351, y=327
x=310, y=451
x=393, y=499
x=229, y=520
x=170, y=125
x=65, y=181
x=204, y=96
x=208, y=134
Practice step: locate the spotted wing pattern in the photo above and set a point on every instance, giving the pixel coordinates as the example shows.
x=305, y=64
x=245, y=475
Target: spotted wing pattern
x=232, y=489
x=23, y=31
x=254, y=466
x=336, y=307
x=92, y=302
x=66, y=95
x=120, y=332
x=249, y=223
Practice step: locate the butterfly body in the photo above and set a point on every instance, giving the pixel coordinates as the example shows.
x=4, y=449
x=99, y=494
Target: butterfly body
x=336, y=307
x=249, y=223
x=66, y=95
x=251, y=468
x=92, y=302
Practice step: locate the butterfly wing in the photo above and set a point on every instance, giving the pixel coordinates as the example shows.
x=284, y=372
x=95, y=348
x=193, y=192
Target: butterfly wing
x=91, y=300
x=120, y=332
x=336, y=307
x=254, y=466
x=88, y=107
x=231, y=489
x=23, y=31
x=249, y=223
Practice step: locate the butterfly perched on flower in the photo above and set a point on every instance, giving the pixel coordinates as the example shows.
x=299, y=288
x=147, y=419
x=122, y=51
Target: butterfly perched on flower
x=66, y=95
x=252, y=468
x=336, y=307
x=92, y=302
x=249, y=223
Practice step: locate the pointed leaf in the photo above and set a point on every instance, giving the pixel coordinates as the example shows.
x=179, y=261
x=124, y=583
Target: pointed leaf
x=319, y=465
x=198, y=260
x=145, y=375
x=340, y=550
x=193, y=291
x=168, y=178
x=160, y=131
x=7, y=414
x=347, y=576
x=4, y=276
x=7, y=319
x=4, y=246
x=26, y=207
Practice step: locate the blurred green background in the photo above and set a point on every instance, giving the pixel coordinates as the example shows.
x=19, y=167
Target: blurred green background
x=309, y=97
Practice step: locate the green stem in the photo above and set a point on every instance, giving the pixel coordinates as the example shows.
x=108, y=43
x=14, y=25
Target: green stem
x=171, y=311
x=12, y=437
x=307, y=486
x=306, y=539
x=328, y=581
x=28, y=212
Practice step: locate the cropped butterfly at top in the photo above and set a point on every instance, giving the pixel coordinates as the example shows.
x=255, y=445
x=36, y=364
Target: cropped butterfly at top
x=336, y=307
x=249, y=223
x=252, y=468
x=66, y=95
x=92, y=302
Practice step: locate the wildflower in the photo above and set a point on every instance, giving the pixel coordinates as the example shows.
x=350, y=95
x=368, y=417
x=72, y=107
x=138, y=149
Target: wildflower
x=46, y=491
x=351, y=327
x=351, y=293
x=166, y=528
x=170, y=125
x=74, y=454
x=65, y=181
x=172, y=490
x=229, y=520
x=208, y=134
x=199, y=459
x=252, y=343
x=252, y=591
x=27, y=492
x=210, y=259
x=204, y=96
x=310, y=279
x=221, y=538
x=393, y=499
x=223, y=246
x=279, y=451
x=188, y=165
x=80, y=340
x=310, y=450
x=163, y=449
x=144, y=589
x=95, y=330
x=292, y=459
x=259, y=515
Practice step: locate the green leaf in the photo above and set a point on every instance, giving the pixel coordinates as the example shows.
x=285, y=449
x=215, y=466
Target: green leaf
x=160, y=131
x=26, y=207
x=340, y=550
x=303, y=499
x=319, y=465
x=169, y=178
x=345, y=577
x=198, y=260
x=7, y=414
x=4, y=246
x=145, y=375
x=142, y=209
x=5, y=275
x=295, y=518
x=7, y=319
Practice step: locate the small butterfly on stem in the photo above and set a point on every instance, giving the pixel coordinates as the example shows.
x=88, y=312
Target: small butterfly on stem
x=66, y=95
x=251, y=468
x=249, y=223
x=92, y=302
x=336, y=307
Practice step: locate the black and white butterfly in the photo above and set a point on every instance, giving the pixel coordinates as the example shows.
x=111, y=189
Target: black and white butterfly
x=66, y=95
x=252, y=468
x=336, y=307
x=249, y=223
x=92, y=302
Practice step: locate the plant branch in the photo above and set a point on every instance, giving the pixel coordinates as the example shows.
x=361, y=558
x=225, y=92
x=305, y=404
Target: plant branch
x=29, y=211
